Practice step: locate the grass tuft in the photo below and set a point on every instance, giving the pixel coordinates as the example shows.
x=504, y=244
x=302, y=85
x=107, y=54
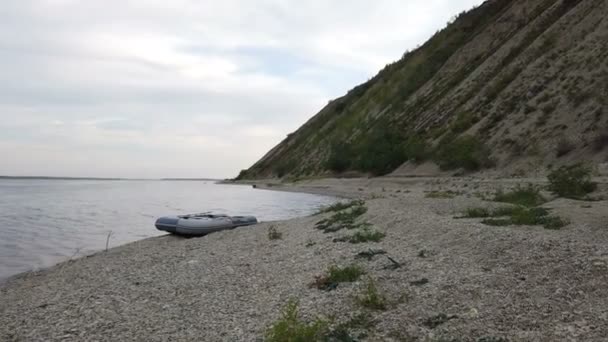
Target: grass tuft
x=366, y=235
x=485, y=212
x=339, y=206
x=343, y=219
x=441, y=194
x=371, y=298
x=572, y=181
x=289, y=327
x=274, y=234
x=521, y=216
x=477, y=212
x=525, y=196
x=336, y=275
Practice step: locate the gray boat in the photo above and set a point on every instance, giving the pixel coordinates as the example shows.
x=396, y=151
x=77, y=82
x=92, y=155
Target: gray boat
x=202, y=224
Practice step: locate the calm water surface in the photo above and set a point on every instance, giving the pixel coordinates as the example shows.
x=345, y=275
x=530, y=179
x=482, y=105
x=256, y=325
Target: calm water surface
x=43, y=222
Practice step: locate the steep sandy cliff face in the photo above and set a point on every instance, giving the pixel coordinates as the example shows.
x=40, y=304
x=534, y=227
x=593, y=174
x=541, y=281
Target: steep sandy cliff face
x=524, y=82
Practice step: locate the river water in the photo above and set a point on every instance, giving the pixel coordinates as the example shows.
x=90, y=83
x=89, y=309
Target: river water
x=43, y=222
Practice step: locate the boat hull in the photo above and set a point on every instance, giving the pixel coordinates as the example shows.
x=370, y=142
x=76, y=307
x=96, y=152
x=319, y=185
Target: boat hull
x=202, y=224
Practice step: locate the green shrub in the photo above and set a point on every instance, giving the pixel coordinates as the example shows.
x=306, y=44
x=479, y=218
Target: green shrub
x=521, y=216
x=381, y=151
x=466, y=152
x=346, y=274
x=463, y=122
x=572, y=181
x=416, y=149
x=441, y=194
x=477, y=213
x=289, y=327
x=340, y=157
x=529, y=217
x=285, y=167
x=371, y=298
x=497, y=222
x=529, y=196
x=343, y=219
x=366, y=235
x=339, y=206
x=503, y=211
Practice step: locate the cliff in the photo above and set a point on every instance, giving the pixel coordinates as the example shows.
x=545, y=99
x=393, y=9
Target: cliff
x=512, y=86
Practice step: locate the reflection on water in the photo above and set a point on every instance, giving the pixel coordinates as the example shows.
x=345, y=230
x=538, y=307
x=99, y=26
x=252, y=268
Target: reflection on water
x=43, y=222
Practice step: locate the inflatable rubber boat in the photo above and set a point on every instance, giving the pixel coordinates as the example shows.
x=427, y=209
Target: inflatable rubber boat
x=202, y=224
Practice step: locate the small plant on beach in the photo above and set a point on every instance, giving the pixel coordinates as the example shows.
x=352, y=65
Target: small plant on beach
x=290, y=328
x=521, y=216
x=526, y=196
x=344, y=219
x=336, y=275
x=477, y=213
x=572, y=181
x=441, y=194
x=339, y=206
x=366, y=235
x=371, y=298
x=346, y=274
x=274, y=234
x=485, y=212
x=516, y=215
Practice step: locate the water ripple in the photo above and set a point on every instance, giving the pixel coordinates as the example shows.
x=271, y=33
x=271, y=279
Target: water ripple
x=43, y=222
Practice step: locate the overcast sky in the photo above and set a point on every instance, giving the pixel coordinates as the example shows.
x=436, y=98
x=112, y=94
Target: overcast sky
x=184, y=88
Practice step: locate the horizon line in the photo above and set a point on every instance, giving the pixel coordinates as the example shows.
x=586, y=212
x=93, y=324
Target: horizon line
x=110, y=178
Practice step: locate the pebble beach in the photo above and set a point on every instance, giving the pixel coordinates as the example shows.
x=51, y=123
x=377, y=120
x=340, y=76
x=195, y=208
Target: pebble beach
x=513, y=283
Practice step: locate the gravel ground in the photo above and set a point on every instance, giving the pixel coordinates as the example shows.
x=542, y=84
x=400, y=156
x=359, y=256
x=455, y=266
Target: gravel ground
x=516, y=283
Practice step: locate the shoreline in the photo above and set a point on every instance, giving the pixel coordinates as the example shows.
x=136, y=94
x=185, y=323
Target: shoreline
x=75, y=252
x=232, y=285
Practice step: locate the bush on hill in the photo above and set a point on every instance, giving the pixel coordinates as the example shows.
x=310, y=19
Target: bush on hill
x=573, y=181
x=466, y=152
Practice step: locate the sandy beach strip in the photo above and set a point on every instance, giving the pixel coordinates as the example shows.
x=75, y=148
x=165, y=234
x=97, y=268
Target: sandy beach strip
x=515, y=283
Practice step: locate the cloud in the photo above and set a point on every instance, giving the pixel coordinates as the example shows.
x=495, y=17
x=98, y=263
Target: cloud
x=184, y=88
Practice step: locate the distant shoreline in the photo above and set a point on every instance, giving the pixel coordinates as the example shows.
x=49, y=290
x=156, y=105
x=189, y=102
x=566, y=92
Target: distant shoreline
x=106, y=179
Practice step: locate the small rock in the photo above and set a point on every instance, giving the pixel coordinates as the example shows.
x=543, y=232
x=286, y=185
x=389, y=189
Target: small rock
x=420, y=282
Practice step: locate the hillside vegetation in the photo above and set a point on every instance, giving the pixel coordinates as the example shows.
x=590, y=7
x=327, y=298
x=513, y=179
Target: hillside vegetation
x=512, y=85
